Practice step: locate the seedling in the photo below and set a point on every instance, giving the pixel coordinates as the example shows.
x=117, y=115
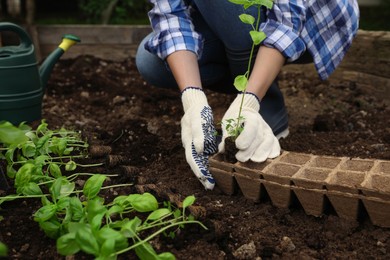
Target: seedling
x=40, y=162
x=234, y=126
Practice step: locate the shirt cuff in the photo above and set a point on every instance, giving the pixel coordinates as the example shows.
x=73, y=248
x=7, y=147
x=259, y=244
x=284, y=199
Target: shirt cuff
x=284, y=39
x=167, y=42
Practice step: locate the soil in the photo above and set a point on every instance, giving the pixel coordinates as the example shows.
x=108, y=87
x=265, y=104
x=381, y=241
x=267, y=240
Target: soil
x=112, y=106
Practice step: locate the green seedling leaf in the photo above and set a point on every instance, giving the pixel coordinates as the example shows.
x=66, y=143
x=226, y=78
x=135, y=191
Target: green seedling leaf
x=28, y=150
x=67, y=244
x=188, y=201
x=42, y=141
x=158, y=214
x=58, y=145
x=3, y=249
x=45, y=201
x=145, y=251
x=123, y=201
x=41, y=160
x=11, y=172
x=166, y=256
x=70, y=166
x=9, y=134
x=95, y=212
x=51, y=228
x=87, y=241
x=240, y=2
x=96, y=221
x=115, y=209
x=67, y=188
x=129, y=229
x=42, y=128
x=55, y=189
x=247, y=19
x=54, y=170
x=61, y=187
x=107, y=249
x=266, y=3
x=9, y=155
x=257, y=36
x=45, y=213
x=63, y=203
x=107, y=233
x=76, y=208
x=240, y=82
x=145, y=203
x=93, y=185
x=8, y=198
x=68, y=150
x=31, y=188
x=23, y=175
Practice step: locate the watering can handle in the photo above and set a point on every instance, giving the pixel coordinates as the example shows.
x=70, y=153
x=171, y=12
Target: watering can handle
x=25, y=40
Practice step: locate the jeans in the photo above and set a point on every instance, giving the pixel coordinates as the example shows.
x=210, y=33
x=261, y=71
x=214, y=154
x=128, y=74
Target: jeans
x=226, y=50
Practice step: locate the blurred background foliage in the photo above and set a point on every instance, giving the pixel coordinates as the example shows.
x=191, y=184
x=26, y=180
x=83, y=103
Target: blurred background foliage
x=135, y=12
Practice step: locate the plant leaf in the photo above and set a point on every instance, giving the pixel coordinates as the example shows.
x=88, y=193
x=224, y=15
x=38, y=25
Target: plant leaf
x=45, y=213
x=239, y=2
x=145, y=251
x=158, y=214
x=51, y=228
x=240, y=82
x=76, y=208
x=9, y=134
x=31, y=189
x=247, y=19
x=129, y=229
x=87, y=241
x=70, y=166
x=188, y=201
x=55, y=170
x=266, y=3
x=23, y=175
x=93, y=185
x=257, y=36
x=145, y=203
x=67, y=244
x=28, y=150
x=166, y=256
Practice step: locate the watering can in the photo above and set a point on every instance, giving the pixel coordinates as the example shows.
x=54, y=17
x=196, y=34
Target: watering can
x=22, y=81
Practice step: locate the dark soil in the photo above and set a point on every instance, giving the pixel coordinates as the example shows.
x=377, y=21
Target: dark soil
x=110, y=103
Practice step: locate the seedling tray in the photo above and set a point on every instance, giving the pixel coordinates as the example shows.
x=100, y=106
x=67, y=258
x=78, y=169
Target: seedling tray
x=349, y=186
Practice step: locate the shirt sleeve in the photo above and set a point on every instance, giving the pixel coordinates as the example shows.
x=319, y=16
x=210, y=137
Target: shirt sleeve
x=285, y=21
x=173, y=29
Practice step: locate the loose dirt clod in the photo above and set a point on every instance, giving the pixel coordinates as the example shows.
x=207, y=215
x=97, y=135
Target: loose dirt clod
x=115, y=160
x=97, y=151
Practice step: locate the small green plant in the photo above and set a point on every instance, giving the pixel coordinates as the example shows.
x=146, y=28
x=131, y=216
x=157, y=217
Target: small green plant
x=41, y=163
x=234, y=126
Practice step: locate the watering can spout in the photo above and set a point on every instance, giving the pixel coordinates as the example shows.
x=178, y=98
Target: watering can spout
x=47, y=66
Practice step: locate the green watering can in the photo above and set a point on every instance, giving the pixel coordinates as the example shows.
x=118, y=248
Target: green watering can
x=22, y=82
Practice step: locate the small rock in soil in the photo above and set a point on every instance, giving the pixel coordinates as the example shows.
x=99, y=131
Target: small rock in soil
x=246, y=251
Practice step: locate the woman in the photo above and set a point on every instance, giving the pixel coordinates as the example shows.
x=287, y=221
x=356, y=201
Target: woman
x=199, y=43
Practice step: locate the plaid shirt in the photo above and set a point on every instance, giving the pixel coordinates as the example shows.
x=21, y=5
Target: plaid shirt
x=323, y=27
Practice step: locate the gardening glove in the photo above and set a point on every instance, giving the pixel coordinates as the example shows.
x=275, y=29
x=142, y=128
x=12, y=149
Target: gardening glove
x=198, y=134
x=256, y=141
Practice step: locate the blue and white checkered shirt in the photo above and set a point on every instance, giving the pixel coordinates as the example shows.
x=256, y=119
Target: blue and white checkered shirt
x=323, y=27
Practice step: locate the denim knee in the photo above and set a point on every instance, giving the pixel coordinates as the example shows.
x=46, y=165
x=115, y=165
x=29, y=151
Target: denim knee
x=153, y=69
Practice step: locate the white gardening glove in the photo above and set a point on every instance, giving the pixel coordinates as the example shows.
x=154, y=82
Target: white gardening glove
x=257, y=141
x=198, y=134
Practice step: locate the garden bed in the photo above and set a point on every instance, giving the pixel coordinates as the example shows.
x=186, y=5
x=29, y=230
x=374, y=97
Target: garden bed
x=112, y=106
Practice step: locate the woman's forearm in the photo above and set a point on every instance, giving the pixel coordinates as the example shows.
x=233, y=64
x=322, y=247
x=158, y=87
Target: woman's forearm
x=268, y=64
x=185, y=69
